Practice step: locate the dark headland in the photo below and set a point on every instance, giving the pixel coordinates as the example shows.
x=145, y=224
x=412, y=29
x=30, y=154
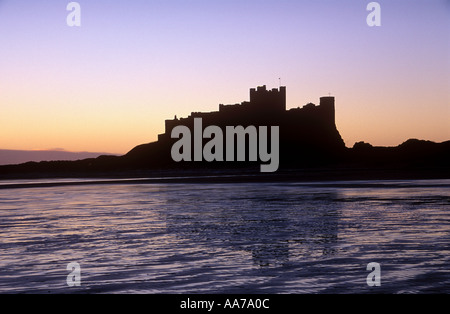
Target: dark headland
x=310, y=149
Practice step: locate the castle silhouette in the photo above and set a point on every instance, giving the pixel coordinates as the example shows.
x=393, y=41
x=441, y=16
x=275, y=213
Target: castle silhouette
x=310, y=146
x=307, y=135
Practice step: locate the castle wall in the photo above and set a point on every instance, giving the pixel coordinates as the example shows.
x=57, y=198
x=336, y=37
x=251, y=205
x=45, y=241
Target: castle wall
x=311, y=125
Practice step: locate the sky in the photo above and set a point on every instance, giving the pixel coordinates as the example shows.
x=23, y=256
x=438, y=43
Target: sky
x=109, y=84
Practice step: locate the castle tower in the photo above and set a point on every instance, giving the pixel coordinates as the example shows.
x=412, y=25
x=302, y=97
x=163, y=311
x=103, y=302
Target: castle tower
x=327, y=109
x=267, y=101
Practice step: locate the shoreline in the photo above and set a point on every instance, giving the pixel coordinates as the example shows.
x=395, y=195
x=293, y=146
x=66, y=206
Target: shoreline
x=308, y=178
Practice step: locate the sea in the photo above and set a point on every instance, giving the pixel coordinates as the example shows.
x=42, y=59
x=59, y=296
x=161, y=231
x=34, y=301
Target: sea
x=126, y=237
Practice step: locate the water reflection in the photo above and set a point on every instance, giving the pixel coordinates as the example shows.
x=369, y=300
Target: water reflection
x=275, y=224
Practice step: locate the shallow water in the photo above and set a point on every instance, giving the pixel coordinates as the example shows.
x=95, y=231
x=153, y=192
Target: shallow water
x=227, y=238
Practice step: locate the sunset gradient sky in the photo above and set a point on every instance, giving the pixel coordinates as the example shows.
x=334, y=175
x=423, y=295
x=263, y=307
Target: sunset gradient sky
x=110, y=84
